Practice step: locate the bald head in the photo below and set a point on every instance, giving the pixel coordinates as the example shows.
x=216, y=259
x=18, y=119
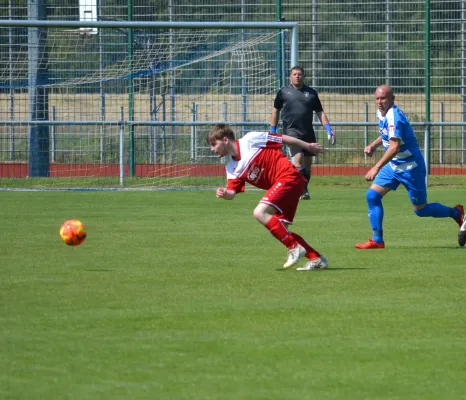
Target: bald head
x=386, y=89
x=384, y=98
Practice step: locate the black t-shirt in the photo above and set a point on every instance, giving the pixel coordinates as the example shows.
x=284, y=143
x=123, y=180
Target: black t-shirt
x=297, y=108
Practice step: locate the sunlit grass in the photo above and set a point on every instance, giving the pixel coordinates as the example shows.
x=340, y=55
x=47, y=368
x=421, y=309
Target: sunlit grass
x=179, y=295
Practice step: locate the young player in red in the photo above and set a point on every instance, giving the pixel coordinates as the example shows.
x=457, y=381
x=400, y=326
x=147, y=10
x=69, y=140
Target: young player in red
x=257, y=159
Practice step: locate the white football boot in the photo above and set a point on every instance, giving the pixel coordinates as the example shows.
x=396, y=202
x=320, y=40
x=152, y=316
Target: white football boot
x=318, y=263
x=462, y=233
x=294, y=255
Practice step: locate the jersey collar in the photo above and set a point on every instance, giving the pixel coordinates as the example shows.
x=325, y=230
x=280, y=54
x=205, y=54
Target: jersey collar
x=238, y=150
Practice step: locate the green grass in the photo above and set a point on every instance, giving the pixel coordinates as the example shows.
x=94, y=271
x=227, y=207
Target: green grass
x=101, y=183
x=179, y=295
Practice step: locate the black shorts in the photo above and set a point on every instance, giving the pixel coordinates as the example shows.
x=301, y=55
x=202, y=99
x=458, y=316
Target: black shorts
x=308, y=137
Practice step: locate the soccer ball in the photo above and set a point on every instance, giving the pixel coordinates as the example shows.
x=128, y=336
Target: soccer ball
x=73, y=232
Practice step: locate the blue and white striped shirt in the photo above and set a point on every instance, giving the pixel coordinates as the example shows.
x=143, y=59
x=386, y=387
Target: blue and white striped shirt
x=395, y=124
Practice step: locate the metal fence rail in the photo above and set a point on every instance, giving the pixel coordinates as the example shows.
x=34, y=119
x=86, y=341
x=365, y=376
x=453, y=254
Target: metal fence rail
x=346, y=49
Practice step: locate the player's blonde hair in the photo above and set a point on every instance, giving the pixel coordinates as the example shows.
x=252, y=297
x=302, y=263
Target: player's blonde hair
x=218, y=132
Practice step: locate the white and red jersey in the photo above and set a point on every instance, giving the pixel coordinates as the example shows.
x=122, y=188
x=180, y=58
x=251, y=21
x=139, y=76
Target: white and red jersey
x=260, y=162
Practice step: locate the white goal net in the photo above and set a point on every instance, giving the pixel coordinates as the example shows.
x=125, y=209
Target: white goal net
x=129, y=107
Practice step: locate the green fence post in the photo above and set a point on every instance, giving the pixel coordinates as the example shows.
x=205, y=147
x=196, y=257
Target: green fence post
x=132, y=160
x=427, y=85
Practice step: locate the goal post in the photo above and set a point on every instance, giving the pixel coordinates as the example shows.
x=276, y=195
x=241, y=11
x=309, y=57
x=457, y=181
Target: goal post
x=136, y=114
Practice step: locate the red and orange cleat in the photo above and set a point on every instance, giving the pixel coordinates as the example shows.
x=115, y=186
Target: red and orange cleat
x=371, y=244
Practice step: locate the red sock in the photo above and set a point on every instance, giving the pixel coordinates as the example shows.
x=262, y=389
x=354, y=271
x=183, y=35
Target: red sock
x=310, y=252
x=278, y=230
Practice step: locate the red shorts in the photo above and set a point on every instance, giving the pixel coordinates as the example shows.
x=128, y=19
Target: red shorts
x=284, y=196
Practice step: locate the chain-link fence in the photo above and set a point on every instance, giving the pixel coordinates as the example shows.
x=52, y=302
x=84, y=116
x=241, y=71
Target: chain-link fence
x=346, y=48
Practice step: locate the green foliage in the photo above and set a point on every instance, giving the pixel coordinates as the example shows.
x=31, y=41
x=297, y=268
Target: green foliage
x=351, y=42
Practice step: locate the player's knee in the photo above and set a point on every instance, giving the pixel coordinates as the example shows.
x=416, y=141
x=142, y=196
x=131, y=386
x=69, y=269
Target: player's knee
x=373, y=197
x=259, y=215
x=421, y=212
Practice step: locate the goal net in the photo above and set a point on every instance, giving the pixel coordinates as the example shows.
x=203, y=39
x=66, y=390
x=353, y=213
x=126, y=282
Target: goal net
x=126, y=107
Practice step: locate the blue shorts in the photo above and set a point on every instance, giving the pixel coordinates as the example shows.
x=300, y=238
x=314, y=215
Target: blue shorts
x=413, y=180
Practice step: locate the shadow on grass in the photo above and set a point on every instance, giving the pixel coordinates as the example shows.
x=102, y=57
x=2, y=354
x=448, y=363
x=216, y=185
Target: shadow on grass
x=325, y=269
x=433, y=247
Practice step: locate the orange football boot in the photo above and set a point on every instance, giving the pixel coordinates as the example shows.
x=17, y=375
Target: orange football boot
x=371, y=244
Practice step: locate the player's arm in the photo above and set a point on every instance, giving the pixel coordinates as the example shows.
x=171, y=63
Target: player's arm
x=277, y=105
x=224, y=193
x=332, y=137
x=274, y=120
x=323, y=117
x=369, y=150
x=313, y=148
x=234, y=186
x=390, y=153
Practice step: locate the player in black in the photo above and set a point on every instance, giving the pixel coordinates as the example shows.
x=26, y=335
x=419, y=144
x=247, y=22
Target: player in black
x=297, y=104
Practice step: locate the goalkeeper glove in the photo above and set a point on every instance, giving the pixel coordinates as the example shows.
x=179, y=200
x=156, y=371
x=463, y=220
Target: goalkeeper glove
x=332, y=137
x=273, y=129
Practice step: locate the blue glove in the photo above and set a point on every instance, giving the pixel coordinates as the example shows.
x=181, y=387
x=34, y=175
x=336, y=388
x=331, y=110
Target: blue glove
x=273, y=129
x=331, y=135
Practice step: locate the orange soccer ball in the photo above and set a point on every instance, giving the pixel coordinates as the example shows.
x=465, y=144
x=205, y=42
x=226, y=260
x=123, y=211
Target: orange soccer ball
x=73, y=232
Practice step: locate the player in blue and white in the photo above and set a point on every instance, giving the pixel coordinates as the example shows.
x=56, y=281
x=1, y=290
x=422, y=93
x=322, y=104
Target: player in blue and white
x=401, y=163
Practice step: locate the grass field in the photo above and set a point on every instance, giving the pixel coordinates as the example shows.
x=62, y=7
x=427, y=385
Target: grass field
x=179, y=295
